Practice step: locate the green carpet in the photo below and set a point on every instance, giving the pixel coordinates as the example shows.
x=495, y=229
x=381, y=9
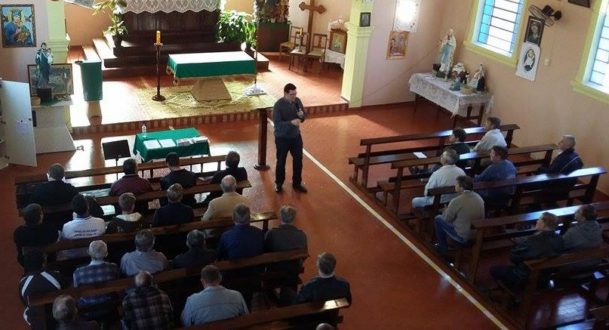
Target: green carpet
x=179, y=101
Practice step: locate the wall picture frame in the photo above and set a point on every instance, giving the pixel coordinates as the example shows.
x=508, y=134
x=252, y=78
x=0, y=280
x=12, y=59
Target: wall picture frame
x=534, y=30
x=364, y=19
x=397, y=44
x=18, y=24
x=61, y=79
x=583, y=3
x=338, y=41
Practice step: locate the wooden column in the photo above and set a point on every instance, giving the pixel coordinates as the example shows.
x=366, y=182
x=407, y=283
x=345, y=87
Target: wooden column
x=262, y=140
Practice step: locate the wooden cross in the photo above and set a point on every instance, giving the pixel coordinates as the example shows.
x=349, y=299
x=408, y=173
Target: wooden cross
x=312, y=9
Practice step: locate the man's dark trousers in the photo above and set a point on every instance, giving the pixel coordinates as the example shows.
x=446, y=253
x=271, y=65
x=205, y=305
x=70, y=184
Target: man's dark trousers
x=294, y=146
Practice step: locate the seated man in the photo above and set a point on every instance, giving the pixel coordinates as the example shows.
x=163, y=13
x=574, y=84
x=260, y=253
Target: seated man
x=456, y=220
x=131, y=181
x=567, y=161
x=214, y=303
x=286, y=237
x=175, y=212
x=492, y=137
x=232, y=168
x=66, y=315
x=242, y=240
x=34, y=233
x=223, y=207
x=145, y=306
x=327, y=285
x=544, y=243
x=144, y=258
x=444, y=176
x=129, y=221
x=37, y=280
x=457, y=143
x=98, y=271
x=500, y=169
x=178, y=175
x=198, y=255
x=587, y=233
x=82, y=226
x=56, y=191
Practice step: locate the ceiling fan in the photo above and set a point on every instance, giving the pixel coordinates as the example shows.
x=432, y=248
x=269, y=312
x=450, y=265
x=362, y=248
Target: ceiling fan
x=547, y=14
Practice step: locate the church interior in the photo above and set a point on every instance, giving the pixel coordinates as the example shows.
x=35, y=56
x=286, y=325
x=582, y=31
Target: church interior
x=369, y=123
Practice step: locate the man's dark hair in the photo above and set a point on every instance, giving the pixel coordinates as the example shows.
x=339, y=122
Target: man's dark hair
x=465, y=182
x=588, y=212
x=33, y=260
x=129, y=166
x=210, y=274
x=495, y=121
x=459, y=133
x=232, y=159
x=501, y=151
x=288, y=87
x=56, y=171
x=172, y=159
x=32, y=214
x=80, y=205
x=326, y=262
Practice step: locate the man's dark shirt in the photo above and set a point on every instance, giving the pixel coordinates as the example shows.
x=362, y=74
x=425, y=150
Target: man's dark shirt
x=565, y=163
x=283, y=238
x=461, y=148
x=241, y=241
x=147, y=308
x=53, y=193
x=36, y=235
x=321, y=289
x=185, y=178
x=542, y=244
x=240, y=174
x=284, y=112
x=173, y=214
x=194, y=257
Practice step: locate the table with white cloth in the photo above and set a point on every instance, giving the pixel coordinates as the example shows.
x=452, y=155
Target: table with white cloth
x=437, y=90
x=335, y=57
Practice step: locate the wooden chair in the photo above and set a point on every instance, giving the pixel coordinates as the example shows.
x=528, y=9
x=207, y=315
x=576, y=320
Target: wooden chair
x=287, y=46
x=319, y=42
x=300, y=49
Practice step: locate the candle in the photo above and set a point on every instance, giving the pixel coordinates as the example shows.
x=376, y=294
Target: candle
x=158, y=36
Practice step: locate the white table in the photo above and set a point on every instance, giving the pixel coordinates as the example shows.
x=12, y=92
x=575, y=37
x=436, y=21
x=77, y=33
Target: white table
x=52, y=133
x=334, y=57
x=437, y=90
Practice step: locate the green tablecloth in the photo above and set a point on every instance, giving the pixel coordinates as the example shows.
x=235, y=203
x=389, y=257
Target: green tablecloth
x=210, y=64
x=160, y=153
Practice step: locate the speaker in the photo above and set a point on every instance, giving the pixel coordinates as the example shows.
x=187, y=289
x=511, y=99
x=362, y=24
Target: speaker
x=116, y=149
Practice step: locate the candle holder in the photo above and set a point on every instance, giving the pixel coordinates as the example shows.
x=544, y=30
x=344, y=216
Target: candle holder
x=158, y=97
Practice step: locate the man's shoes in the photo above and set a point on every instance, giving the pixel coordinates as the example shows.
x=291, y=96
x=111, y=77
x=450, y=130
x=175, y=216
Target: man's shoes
x=300, y=188
x=278, y=188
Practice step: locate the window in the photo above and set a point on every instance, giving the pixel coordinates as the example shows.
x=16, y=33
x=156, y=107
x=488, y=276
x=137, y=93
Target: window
x=496, y=27
x=593, y=77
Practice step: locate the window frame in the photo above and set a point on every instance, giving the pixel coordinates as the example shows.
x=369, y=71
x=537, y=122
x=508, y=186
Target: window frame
x=580, y=84
x=480, y=49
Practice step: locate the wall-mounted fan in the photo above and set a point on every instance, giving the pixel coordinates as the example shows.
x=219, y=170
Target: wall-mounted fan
x=547, y=14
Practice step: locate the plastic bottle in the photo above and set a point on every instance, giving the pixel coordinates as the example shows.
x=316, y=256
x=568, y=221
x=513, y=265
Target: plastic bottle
x=144, y=129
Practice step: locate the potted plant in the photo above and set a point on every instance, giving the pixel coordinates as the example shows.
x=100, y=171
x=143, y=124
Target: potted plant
x=235, y=27
x=117, y=28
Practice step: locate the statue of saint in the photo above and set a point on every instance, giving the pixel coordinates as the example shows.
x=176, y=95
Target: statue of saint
x=44, y=59
x=447, y=51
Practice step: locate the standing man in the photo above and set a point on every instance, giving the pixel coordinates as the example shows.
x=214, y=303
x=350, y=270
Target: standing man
x=288, y=113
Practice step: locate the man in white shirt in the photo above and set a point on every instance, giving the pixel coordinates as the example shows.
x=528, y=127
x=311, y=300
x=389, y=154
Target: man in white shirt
x=444, y=176
x=492, y=137
x=83, y=225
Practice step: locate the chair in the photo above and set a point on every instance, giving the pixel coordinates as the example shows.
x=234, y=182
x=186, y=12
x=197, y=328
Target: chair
x=287, y=46
x=319, y=43
x=300, y=49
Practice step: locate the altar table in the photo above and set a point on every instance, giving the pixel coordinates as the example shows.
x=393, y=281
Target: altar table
x=194, y=149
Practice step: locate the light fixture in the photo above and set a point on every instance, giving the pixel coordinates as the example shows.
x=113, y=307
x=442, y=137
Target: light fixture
x=547, y=14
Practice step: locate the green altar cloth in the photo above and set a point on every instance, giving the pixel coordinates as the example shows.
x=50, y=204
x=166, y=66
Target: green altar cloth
x=201, y=148
x=213, y=64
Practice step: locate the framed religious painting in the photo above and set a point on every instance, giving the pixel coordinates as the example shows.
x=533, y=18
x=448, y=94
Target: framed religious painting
x=60, y=79
x=338, y=41
x=534, y=30
x=18, y=25
x=364, y=19
x=398, y=42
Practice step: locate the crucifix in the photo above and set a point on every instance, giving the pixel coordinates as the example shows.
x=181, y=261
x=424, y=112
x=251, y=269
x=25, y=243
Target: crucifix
x=312, y=8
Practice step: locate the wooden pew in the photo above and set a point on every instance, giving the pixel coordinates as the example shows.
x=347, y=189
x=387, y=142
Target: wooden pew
x=24, y=185
x=490, y=235
x=277, y=317
x=118, y=286
x=402, y=181
x=437, y=141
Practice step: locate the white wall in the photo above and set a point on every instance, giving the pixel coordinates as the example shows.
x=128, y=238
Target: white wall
x=14, y=61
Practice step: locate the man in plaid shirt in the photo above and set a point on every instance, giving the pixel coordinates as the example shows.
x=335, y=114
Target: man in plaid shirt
x=98, y=271
x=146, y=306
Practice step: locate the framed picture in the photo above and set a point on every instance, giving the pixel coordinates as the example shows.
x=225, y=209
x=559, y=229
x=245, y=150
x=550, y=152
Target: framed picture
x=364, y=19
x=60, y=79
x=583, y=3
x=398, y=42
x=18, y=27
x=338, y=41
x=528, y=61
x=534, y=30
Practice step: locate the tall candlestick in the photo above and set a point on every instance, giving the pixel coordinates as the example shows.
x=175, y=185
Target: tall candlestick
x=158, y=36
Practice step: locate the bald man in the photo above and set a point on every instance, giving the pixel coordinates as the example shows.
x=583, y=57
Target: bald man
x=146, y=306
x=223, y=206
x=567, y=161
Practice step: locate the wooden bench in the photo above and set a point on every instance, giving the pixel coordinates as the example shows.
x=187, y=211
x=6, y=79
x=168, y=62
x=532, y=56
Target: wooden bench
x=402, y=181
x=25, y=185
x=278, y=317
x=164, y=278
x=437, y=141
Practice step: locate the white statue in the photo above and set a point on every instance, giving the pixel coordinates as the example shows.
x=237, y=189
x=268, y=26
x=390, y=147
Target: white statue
x=447, y=51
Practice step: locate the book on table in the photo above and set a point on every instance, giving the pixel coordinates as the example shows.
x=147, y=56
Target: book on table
x=167, y=143
x=152, y=144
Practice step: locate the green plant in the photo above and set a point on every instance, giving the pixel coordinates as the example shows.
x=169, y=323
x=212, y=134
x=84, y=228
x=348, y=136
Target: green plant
x=235, y=27
x=113, y=7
